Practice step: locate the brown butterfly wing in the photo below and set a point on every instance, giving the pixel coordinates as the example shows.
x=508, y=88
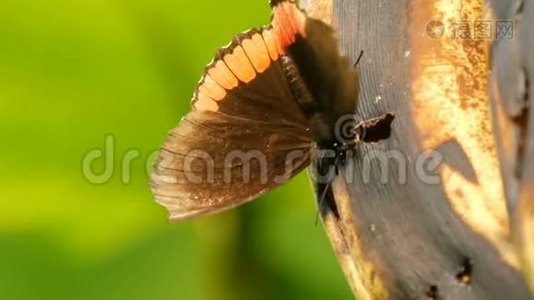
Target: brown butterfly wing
x=246, y=133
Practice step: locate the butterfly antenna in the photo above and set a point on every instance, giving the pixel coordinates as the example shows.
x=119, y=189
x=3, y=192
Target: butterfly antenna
x=358, y=59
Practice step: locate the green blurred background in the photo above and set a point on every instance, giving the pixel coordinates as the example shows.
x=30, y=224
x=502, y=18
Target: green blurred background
x=75, y=72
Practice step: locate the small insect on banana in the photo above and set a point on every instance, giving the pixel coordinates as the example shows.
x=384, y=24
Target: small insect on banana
x=264, y=108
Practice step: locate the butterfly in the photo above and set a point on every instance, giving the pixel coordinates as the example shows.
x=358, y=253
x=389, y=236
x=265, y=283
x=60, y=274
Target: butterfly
x=263, y=109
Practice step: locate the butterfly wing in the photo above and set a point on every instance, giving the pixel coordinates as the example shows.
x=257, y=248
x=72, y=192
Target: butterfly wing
x=246, y=133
